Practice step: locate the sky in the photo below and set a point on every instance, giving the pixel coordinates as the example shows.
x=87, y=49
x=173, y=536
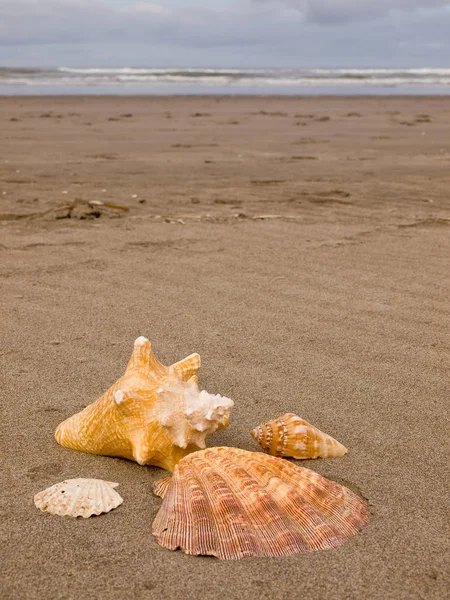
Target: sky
x=225, y=33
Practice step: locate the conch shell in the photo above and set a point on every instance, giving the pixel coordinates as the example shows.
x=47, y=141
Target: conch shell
x=79, y=498
x=153, y=414
x=290, y=435
x=233, y=504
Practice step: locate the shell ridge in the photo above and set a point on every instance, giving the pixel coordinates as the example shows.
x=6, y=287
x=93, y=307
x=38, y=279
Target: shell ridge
x=271, y=528
x=74, y=506
x=250, y=528
x=318, y=487
x=179, y=534
x=331, y=516
x=202, y=537
x=301, y=509
x=161, y=485
x=302, y=536
x=220, y=550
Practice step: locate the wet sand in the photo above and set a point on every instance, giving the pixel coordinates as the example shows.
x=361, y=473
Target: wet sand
x=302, y=247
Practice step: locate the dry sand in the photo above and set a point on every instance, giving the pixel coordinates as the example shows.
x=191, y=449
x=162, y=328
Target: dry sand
x=336, y=308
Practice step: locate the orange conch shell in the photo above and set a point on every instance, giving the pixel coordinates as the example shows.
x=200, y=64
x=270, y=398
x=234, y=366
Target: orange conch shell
x=290, y=435
x=153, y=414
x=233, y=504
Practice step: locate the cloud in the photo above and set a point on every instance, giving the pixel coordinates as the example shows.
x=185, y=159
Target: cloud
x=53, y=21
x=335, y=11
x=341, y=11
x=31, y=22
x=291, y=33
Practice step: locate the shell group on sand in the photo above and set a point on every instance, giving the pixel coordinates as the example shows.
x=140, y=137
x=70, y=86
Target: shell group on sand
x=292, y=436
x=79, y=498
x=233, y=504
x=222, y=501
x=154, y=414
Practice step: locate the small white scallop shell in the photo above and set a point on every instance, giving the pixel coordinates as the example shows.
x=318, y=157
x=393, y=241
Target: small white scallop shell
x=79, y=498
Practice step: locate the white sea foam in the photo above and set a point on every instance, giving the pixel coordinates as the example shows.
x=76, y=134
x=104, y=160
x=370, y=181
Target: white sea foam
x=226, y=80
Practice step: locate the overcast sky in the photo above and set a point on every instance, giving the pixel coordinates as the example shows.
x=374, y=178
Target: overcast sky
x=225, y=33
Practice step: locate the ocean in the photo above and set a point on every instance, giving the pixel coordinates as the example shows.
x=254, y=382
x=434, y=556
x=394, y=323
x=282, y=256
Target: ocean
x=128, y=80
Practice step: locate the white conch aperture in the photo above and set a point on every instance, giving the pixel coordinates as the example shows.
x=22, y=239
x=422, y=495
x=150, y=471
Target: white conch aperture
x=153, y=414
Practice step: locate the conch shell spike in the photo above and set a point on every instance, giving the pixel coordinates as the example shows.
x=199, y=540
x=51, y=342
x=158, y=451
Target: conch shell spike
x=187, y=367
x=119, y=397
x=143, y=358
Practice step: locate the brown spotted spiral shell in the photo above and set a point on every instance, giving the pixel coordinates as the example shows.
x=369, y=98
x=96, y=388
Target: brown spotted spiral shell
x=292, y=436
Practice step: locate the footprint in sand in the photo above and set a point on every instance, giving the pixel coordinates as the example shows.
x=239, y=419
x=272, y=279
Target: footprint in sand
x=44, y=470
x=266, y=181
x=423, y=119
x=304, y=158
x=265, y=113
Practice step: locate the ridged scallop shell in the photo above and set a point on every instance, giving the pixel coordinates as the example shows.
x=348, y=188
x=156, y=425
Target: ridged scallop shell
x=292, y=436
x=233, y=504
x=153, y=414
x=79, y=498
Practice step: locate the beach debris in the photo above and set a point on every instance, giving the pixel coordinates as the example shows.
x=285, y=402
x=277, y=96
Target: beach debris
x=266, y=217
x=153, y=414
x=108, y=205
x=234, y=504
x=292, y=436
x=79, y=498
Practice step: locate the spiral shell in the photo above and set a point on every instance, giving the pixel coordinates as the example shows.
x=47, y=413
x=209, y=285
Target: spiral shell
x=154, y=414
x=292, y=436
x=233, y=504
x=79, y=498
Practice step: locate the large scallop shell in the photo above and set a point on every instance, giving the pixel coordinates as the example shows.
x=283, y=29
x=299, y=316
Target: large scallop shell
x=153, y=414
x=233, y=504
x=292, y=436
x=79, y=498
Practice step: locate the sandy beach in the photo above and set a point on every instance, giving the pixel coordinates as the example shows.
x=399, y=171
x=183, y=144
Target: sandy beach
x=301, y=246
